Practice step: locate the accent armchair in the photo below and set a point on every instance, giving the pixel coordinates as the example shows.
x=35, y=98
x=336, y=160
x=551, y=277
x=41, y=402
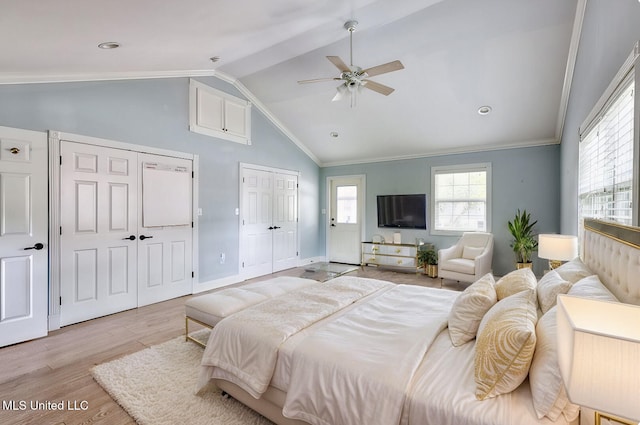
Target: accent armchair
x=469, y=259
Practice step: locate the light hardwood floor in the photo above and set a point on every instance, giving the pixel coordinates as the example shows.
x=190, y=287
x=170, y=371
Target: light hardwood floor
x=56, y=368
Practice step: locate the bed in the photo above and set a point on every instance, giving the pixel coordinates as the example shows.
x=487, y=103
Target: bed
x=355, y=351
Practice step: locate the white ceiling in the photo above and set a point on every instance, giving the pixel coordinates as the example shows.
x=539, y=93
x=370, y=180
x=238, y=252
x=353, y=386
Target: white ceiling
x=458, y=55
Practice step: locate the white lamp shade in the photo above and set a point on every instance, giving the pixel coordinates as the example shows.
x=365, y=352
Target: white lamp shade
x=557, y=247
x=599, y=354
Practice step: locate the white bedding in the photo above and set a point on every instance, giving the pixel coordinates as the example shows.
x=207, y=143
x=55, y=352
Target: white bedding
x=329, y=385
x=243, y=348
x=443, y=393
x=406, y=370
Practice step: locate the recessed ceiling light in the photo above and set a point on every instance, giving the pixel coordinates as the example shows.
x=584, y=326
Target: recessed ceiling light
x=484, y=110
x=334, y=134
x=109, y=45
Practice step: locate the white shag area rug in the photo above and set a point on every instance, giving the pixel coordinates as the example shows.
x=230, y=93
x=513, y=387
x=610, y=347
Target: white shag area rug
x=156, y=386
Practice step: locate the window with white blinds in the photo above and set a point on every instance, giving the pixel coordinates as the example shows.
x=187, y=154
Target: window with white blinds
x=461, y=198
x=606, y=160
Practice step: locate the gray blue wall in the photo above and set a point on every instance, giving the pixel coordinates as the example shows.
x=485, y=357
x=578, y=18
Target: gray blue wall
x=609, y=31
x=156, y=113
x=526, y=178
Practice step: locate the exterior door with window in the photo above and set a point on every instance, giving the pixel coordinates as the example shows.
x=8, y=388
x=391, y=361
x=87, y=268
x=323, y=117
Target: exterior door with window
x=23, y=235
x=345, y=219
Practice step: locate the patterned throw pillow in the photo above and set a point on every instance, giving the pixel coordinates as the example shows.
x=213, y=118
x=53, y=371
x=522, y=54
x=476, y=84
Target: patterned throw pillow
x=469, y=309
x=505, y=345
x=516, y=281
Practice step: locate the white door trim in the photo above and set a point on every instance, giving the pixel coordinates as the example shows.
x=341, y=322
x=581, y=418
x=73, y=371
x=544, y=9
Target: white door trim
x=55, y=137
x=363, y=215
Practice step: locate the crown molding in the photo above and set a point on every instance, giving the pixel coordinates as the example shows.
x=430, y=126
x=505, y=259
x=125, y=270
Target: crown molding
x=443, y=152
x=571, y=64
x=102, y=76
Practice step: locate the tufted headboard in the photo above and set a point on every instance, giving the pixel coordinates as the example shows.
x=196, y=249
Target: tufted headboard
x=612, y=251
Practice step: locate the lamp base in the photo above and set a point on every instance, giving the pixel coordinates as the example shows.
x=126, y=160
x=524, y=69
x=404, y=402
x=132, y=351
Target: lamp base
x=554, y=264
x=599, y=416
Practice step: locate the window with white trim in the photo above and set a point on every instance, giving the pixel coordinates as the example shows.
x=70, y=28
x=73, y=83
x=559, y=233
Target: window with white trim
x=461, y=198
x=608, y=170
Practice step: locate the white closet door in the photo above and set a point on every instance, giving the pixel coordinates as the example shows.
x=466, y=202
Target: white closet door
x=285, y=222
x=98, y=258
x=23, y=226
x=256, y=223
x=165, y=228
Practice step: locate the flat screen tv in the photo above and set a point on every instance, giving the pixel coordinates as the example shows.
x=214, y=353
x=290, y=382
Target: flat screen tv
x=402, y=211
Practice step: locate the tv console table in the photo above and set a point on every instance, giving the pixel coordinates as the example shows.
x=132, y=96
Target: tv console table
x=390, y=255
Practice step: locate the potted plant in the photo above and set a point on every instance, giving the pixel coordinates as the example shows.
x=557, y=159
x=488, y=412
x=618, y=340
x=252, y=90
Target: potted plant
x=428, y=259
x=524, y=241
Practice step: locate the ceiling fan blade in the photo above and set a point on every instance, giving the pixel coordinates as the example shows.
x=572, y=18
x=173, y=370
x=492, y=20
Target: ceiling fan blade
x=318, y=80
x=339, y=63
x=377, y=87
x=383, y=69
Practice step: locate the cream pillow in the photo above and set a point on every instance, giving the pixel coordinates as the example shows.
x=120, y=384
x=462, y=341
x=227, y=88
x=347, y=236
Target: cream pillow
x=516, y=281
x=470, y=252
x=505, y=345
x=547, y=389
x=548, y=289
x=574, y=270
x=591, y=287
x=469, y=309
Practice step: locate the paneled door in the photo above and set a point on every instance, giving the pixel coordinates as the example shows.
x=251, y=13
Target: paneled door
x=269, y=221
x=98, y=236
x=256, y=222
x=285, y=221
x=115, y=256
x=23, y=235
x=345, y=221
x=165, y=229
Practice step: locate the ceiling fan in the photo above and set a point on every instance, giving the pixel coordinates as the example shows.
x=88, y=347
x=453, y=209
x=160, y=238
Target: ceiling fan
x=353, y=77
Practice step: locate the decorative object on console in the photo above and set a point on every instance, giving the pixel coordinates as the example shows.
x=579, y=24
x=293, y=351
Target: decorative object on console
x=598, y=352
x=524, y=241
x=557, y=248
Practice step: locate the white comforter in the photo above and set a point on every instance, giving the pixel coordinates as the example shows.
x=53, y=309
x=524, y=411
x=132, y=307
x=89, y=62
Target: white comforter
x=243, y=348
x=389, y=336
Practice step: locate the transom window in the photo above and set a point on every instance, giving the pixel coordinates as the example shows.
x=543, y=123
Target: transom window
x=460, y=198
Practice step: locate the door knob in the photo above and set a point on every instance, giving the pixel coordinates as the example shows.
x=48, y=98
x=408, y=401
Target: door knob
x=143, y=237
x=276, y=227
x=131, y=238
x=271, y=228
x=37, y=247
x=333, y=225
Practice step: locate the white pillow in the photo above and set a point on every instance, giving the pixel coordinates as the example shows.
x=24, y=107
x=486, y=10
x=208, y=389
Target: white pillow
x=470, y=252
x=516, y=281
x=574, y=270
x=548, y=289
x=591, y=287
x=547, y=389
x=469, y=309
x=505, y=345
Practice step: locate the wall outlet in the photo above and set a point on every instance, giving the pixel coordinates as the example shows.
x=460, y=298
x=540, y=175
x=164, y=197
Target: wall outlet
x=222, y=258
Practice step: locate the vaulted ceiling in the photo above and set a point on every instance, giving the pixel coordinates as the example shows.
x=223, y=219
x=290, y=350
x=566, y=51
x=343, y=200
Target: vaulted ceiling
x=459, y=55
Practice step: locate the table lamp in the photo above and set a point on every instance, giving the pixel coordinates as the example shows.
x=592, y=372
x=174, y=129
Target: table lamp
x=557, y=248
x=599, y=356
